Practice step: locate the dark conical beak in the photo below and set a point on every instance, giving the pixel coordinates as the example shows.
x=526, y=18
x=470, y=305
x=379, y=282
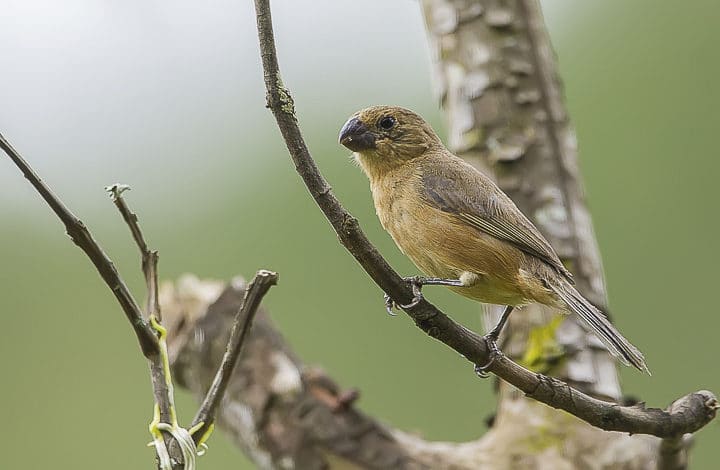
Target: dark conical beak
x=355, y=136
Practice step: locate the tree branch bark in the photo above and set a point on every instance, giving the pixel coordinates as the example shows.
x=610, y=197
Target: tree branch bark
x=284, y=414
x=205, y=417
x=281, y=413
x=149, y=258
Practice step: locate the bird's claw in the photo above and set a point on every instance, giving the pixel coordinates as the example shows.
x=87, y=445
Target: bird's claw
x=416, y=283
x=389, y=305
x=493, y=353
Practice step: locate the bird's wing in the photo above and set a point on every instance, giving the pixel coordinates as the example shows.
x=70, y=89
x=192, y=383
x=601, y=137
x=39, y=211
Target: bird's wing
x=461, y=190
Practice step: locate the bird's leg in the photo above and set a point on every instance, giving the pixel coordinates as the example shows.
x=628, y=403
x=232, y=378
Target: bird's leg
x=417, y=282
x=491, y=342
x=434, y=281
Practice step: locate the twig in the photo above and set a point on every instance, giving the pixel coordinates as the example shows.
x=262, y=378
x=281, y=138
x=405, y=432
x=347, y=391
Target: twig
x=700, y=406
x=149, y=344
x=149, y=257
x=81, y=236
x=159, y=374
x=205, y=417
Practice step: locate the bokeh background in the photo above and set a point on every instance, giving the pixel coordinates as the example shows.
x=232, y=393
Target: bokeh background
x=167, y=96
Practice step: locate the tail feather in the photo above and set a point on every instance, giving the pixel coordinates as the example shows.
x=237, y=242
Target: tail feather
x=601, y=326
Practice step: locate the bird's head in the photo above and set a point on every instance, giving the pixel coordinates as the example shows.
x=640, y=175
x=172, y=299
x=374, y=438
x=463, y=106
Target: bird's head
x=385, y=137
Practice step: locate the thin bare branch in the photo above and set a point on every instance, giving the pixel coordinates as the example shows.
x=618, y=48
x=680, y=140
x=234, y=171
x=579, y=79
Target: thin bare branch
x=149, y=257
x=699, y=408
x=259, y=286
x=149, y=265
x=129, y=216
x=159, y=375
x=149, y=344
x=81, y=236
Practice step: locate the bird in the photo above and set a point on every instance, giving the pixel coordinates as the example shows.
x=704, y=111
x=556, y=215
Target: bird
x=461, y=230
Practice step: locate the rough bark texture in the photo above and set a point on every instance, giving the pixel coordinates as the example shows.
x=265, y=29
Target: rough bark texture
x=286, y=415
x=282, y=414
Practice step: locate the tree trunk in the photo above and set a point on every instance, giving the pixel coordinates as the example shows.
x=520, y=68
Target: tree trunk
x=497, y=81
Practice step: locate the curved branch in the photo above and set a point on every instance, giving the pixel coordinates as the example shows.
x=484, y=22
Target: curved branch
x=700, y=407
x=148, y=257
x=82, y=237
x=205, y=417
x=149, y=342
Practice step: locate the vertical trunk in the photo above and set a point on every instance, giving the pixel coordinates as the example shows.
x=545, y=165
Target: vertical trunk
x=498, y=84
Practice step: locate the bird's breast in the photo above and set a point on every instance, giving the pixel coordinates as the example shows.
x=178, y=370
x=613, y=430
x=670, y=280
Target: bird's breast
x=442, y=245
x=430, y=238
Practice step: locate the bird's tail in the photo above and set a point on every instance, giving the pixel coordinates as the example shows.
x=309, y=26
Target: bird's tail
x=600, y=325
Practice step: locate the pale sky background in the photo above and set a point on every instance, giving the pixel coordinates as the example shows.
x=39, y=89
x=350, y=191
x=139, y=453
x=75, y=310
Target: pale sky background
x=96, y=92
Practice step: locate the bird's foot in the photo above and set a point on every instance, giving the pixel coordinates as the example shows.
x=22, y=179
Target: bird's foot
x=493, y=353
x=416, y=282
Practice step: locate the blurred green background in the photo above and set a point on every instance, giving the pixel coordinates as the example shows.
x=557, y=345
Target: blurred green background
x=168, y=97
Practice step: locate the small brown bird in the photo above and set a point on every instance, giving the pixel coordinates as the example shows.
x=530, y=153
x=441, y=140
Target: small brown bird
x=459, y=228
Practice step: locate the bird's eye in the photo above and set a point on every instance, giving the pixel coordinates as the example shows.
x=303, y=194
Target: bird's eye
x=387, y=123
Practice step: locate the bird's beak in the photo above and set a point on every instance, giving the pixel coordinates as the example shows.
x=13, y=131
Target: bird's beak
x=355, y=136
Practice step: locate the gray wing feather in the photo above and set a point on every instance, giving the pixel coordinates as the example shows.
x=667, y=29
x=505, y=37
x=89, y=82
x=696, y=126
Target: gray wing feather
x=488, y=209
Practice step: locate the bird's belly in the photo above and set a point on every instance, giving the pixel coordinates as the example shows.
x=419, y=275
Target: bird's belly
x=441, y=247
x=490, y=290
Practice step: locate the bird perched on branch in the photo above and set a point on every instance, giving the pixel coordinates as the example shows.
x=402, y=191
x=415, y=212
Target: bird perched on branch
x=460, y=229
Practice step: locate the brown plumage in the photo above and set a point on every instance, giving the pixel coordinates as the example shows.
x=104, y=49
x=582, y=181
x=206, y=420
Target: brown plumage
x=453, y=222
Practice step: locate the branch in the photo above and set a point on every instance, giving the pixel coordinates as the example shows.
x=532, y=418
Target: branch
x=149, y=257
x=205, y=417
x=81, y=236
x=151, y=346
x=282, y=413
x=608, y=416
x=159, y=374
